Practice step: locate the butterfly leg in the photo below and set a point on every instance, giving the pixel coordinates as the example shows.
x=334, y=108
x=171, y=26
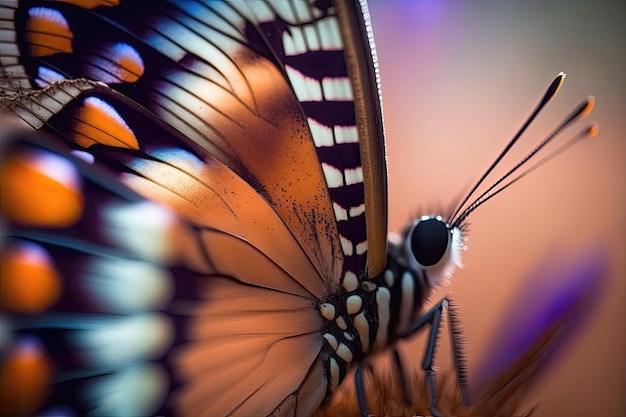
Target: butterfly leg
x=433, y=317
x=360, y=390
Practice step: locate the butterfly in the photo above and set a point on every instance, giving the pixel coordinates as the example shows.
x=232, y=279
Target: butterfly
x=206, y=221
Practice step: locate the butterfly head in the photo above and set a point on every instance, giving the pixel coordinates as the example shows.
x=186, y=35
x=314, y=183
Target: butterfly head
x=434, y=246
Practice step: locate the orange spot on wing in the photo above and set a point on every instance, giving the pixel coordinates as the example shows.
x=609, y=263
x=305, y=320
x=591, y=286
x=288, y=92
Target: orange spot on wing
x=92, y=4
x=130, y=69
x=24, y=380
x=96, y=125
x=47, y=34
x=30, y=196
x=28, y=281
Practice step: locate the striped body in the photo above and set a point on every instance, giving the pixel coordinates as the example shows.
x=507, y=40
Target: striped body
x=222, y=233
x=367, y=319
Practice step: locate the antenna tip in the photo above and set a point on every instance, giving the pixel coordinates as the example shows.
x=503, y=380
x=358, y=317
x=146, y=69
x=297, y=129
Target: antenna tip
x=591, y=100
x=593, y=129
x=590, y=104
x=554, y=87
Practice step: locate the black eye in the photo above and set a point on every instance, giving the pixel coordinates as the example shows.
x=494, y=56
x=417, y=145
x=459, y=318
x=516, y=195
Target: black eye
x=430, y=240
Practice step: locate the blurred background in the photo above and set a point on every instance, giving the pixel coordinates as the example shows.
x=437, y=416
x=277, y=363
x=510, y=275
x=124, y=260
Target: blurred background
x=459, y=78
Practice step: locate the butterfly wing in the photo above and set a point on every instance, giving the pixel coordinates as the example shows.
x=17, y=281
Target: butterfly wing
x=241, y=118
x=87, y=268
x=195, y=73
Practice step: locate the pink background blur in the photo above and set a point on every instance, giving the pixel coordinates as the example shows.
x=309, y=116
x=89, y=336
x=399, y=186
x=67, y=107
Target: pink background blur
x=459, y=77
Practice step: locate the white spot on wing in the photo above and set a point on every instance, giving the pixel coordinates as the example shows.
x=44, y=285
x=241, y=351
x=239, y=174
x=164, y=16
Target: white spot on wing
x=161, y=41
x=330, y=34
x=361, y=248
x=46, y=76
x=322, y=135
x=316, y=12
x=333, y=176
x=83, y=155
x=108, y=110
x=341, y=214
x=145, y=228
x=127, y=286
x=346, y=134
x=357, y=210
x=354, y=175
x=117, y=341
x=293, y=41
x=182, y=159
x=338, y=89
x=57, y=168
x=136, y=390
x=346, y=246
x=284, y=9
x=113, y=68
x=254, y=10
x=48, y=15
x=312, y=37
x=306, y=88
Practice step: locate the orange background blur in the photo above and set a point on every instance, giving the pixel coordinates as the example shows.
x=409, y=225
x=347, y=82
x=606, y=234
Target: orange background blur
x=459, y=77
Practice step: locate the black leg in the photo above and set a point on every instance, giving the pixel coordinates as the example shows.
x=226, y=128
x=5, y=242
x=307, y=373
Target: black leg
x=360, y=390
x=456, y=337
x=433, y=317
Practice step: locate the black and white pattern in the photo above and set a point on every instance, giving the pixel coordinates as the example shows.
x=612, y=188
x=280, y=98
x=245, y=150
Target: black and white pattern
x=241, y=132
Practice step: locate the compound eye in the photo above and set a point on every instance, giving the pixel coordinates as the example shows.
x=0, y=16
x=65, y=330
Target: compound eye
x=430, y=240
